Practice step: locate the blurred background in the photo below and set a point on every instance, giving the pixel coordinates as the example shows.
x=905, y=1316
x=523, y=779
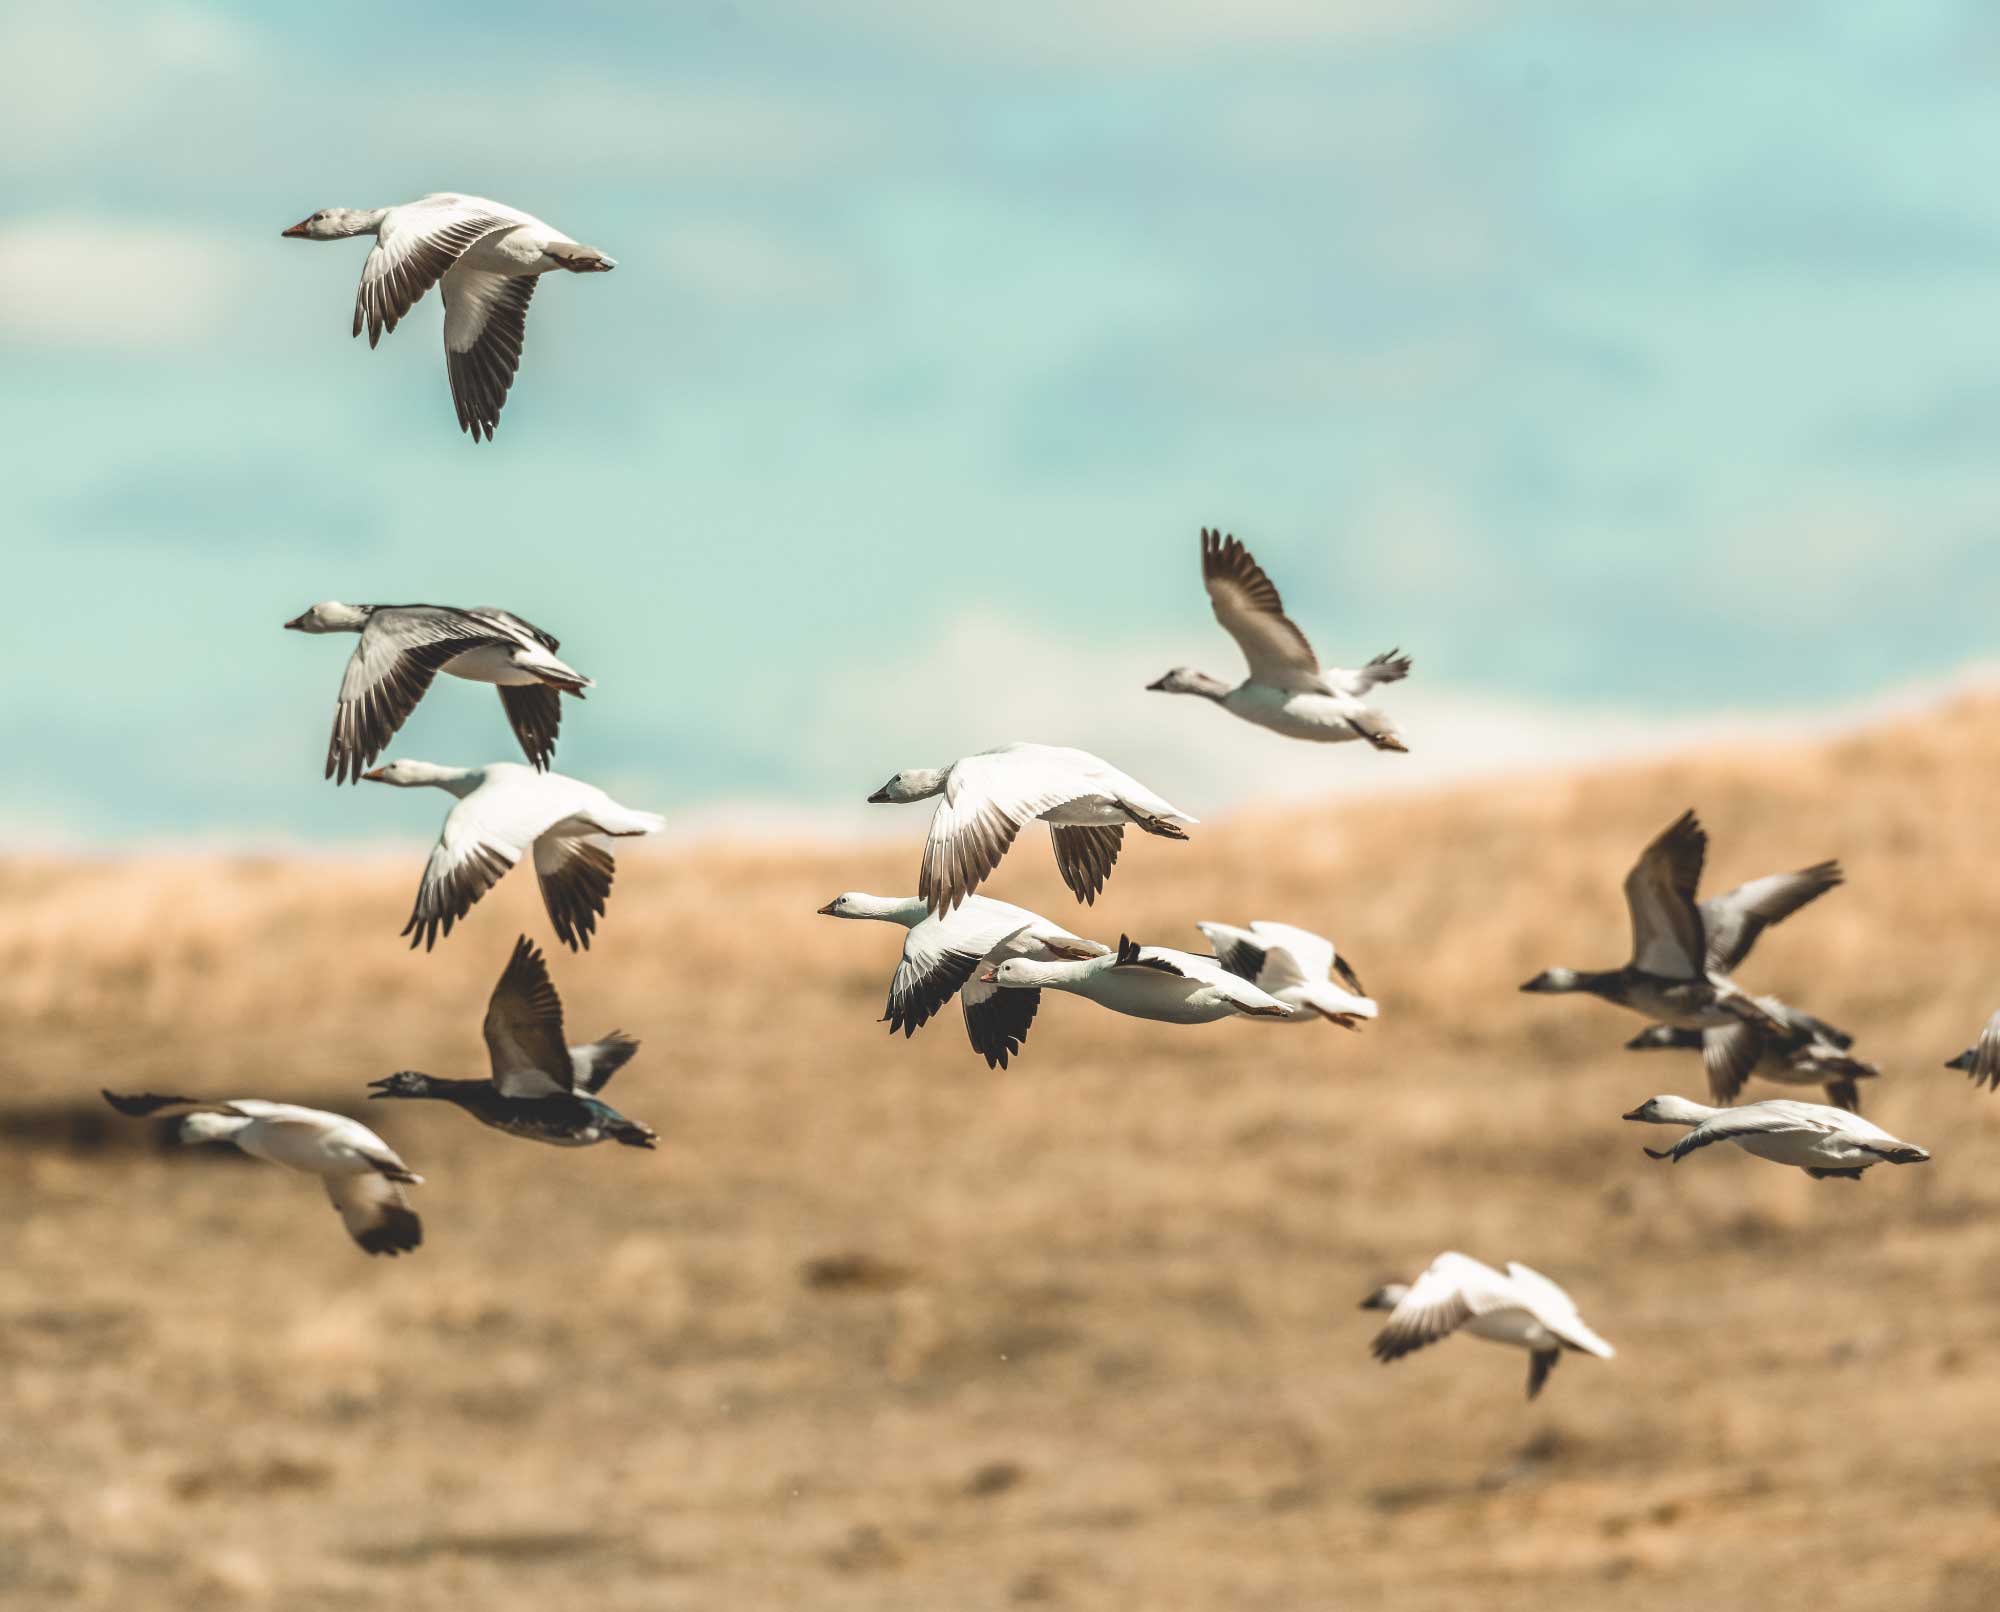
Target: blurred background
x=1629, y=365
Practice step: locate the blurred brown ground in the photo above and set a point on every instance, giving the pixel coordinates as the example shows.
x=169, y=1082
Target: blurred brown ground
x=1081, y=1333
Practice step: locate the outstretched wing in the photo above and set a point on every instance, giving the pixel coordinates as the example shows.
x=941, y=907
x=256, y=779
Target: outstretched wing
x=485, y=322
x=1666, y=925
x=1084, y=856
x=987, y=800
x=418, y=244
x=1735, y=919
x=467, y=861
x=524, y=1029
x=575, y=875
x=377, y=1215
x=1450, y=1293
x=997, y=1018
x=402, y=648
x=1247, y=605
x=1728, y=1053
x=534, y=712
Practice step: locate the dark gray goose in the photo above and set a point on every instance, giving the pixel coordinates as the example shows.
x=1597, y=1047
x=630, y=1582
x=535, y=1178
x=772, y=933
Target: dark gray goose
x=488, y=256
x=1811, y=1052
x=541, y=1087
x=404, y=646
x=364, y=1177
x=1670, y=977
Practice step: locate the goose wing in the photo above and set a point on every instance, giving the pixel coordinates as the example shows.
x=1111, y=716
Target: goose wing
x=534, y=712
x=524, y=1029
x=1735, y=919
x=997, y=1019
x=940, y=955
x=1450, y=1293
x=1246, y=602
x=1666, y=924
x=987, y=800
x=1773, y=1118
x=1084, y=856
x=417, y=246
x=1391, y=666
x=1729, y=1053
x=1237, y=950
x=473, y=853
x=592, y=1066
x=485, y=322
x=142, y=1105
x=575, y=874
x=1312, y=954
x=402, y=648
x=1556, y=1310
x=377, y=1215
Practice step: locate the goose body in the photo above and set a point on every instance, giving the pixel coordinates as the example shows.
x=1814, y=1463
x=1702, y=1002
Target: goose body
x=1981, y=1060
x=943, y=951
x=541, y=1088
x=1145, y=982
x=1672, y=976
x=1295, y=966
x=486, y=255
x=403, y=647
x=1809, y=1052
x=364, y=1177
x=1812, y=1137
x=990, y=797
x=1521, y=1308
x=504, y=812
x=1287, y=691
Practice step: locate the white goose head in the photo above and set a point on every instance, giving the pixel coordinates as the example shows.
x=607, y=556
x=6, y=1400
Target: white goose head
x=860, y=904
x=912, y=783
x=1670, y=1111
x=335, y=224
x=1186, y=680
x=330, y=615
x=415, y=774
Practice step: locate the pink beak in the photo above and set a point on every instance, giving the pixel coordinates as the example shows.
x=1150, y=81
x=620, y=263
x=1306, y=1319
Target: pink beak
x=297, y=232
x=988, y=977
x=374, y=774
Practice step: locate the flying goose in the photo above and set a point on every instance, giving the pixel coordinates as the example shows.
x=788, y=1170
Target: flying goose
x=941, y=952
x=1146, y=982
x=541, y=1088
x=1670, y=976
x=989, y=797
x=1819, y=1140
x=1810, y=1052
x=363, y=1175
x=1522, y=1308
x=488, y=256
x=404, y=646
x=503, y=809
x=1295, y=966
x=1287, y=691
x=1982, y=1060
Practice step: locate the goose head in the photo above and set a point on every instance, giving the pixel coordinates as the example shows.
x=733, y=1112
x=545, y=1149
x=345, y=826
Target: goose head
x=1555, y=981
x=413, y=774
x=1386, y=1297
x=330, y=615
x=1965, y=1059
x=1186, y=680
x=912, y=783
x=860, y=904
x=333, y=224
x=403, y=1083
x=1669, y=1111
x=1663, y=1037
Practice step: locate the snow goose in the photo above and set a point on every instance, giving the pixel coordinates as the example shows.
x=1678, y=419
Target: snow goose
x=1669, y=977
x=1982, y=1060
x=1146, y=982
x=503, y=809
x=1296, y=966
x=1810, y=1052
x=941, y=951
x=1819, y=1140
x=1522, y=1308
x=1287, y=691
x=363, y=1175
x=988, y=798
x=487, y=254
x=541, y=1088
x=404, y=646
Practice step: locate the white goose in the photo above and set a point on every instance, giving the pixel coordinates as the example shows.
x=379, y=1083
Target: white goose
x=990, y=796
x=504, y=809
x=487, y=254
x=1145, y=982
x=1819, y=1140
x=1287, y=691
x=363, y=1175
x=942, y=950
x=1296, y=966
x=1522, y=1308
x=404, y=646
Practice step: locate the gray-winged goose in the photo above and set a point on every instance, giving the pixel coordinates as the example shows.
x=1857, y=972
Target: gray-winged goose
x=1287, y=691
x=1822, y=1141
x=1297, y=967
x=991, y=796
x=1810, y=1052
x=541, y=1087
x=1522, y=1308
x=404, y=646
x=488, y=256
x=1145, y=982
x=1669, y=977
x=942, y=951
x=504, y=810
x=1981, y=1060
x=364, y=1177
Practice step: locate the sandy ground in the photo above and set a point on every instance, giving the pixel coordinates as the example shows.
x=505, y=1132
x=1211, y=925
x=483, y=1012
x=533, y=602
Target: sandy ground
x=878, y=1327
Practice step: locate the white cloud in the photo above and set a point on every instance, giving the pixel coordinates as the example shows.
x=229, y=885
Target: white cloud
x=86, y=283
